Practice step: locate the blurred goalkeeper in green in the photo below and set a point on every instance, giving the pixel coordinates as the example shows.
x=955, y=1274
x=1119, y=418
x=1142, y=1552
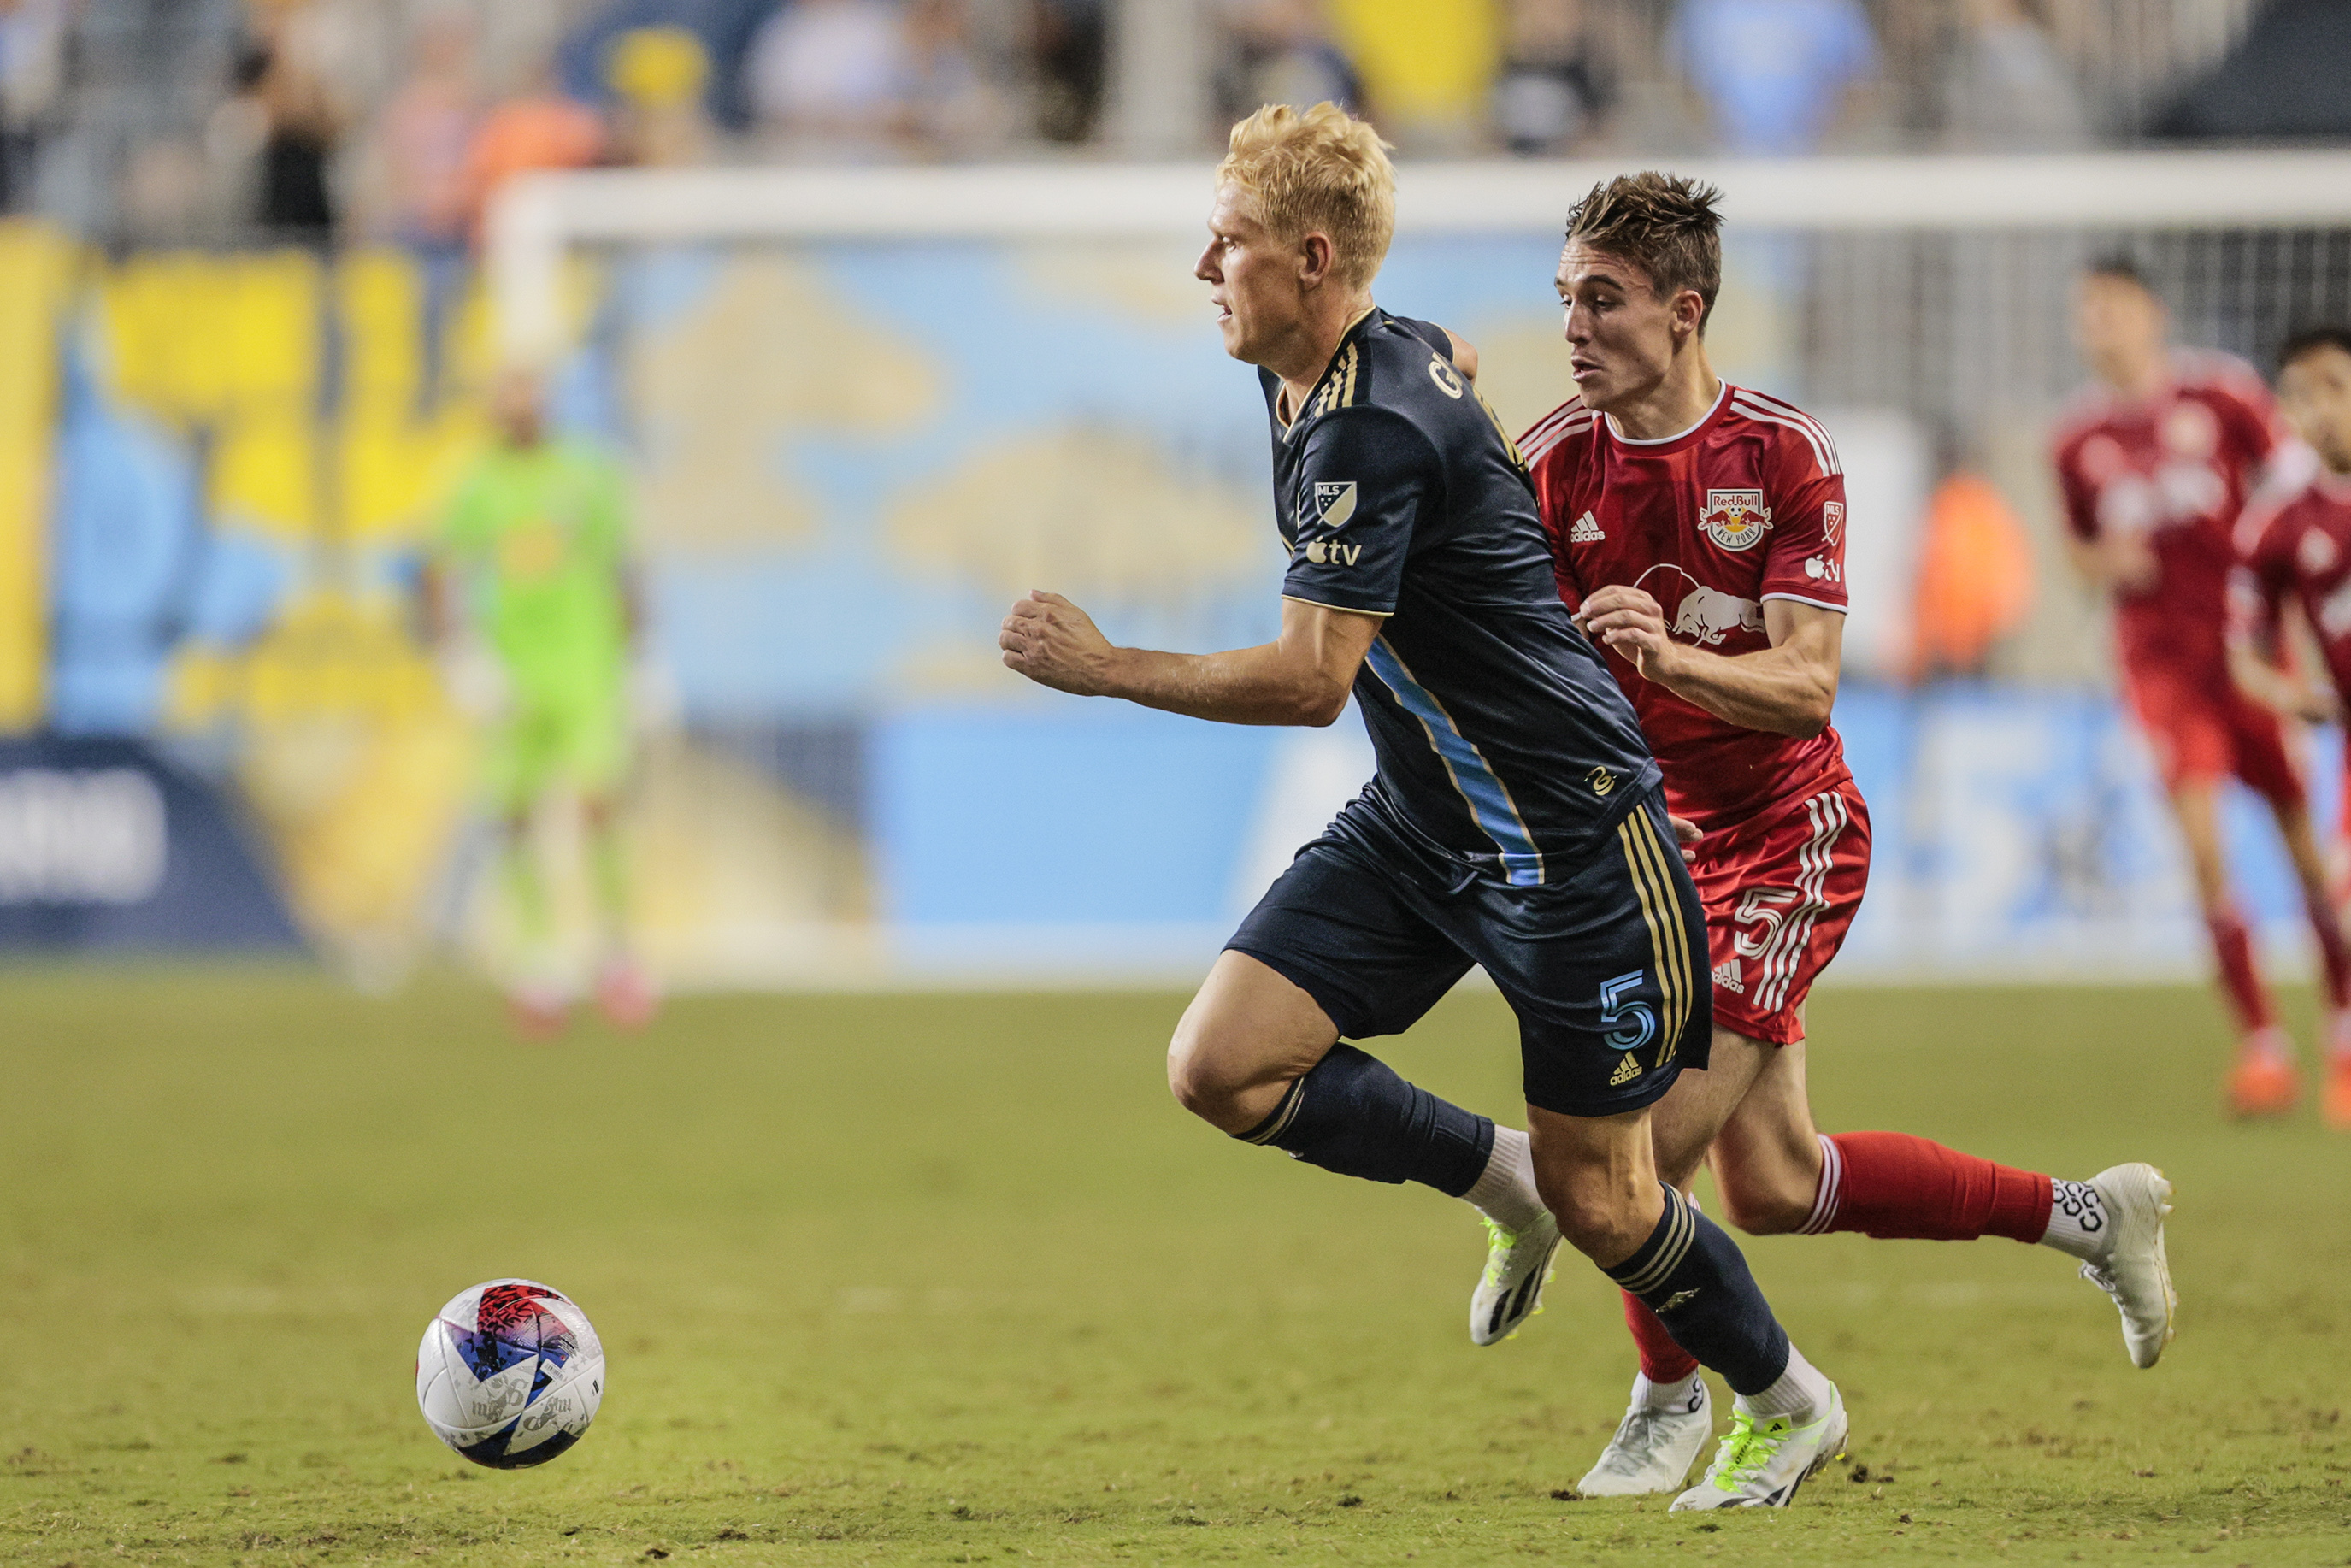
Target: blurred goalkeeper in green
x=532, y=597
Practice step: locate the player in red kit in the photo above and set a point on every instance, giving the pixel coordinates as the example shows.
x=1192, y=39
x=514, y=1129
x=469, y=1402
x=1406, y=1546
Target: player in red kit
x=1698, y=531
x=2293, y=547
x=2155, y=463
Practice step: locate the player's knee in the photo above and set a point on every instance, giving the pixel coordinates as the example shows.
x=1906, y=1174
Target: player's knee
x=1193, y=1077
x=1604, y=1224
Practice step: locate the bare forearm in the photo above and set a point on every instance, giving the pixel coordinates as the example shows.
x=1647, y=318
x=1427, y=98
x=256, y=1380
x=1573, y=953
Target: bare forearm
x=1770, y=690
x=2275, y=688
x=1246, y=685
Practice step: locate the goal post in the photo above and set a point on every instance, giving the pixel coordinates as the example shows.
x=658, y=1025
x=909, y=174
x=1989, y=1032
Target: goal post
x=537, y=218
x=867, y=407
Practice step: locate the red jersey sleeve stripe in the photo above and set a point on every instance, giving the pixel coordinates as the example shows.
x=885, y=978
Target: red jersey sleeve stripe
x=1783, y=406
x=1570, y=409
x=1821, y=449
x=1559, y=436
x=1790, y=410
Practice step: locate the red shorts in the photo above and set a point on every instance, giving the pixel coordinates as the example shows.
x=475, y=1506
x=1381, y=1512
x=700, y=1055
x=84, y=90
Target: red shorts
x=1780, y=889
x=2200, y=732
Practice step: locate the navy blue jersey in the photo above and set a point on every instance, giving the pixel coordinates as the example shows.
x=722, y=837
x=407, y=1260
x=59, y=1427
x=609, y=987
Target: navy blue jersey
x=1499, y=729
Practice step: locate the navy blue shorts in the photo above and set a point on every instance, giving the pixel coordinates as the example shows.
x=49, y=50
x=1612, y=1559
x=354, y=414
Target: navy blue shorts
x=1607, y=968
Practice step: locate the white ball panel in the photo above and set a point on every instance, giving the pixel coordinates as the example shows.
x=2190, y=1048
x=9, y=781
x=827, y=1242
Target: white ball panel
x=464, y=1411
x=568, y=1405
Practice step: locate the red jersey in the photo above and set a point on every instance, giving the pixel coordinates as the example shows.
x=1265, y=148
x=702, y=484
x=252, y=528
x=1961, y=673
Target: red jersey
x=1748, y=504
x=2176, y=467
x=2298, y=548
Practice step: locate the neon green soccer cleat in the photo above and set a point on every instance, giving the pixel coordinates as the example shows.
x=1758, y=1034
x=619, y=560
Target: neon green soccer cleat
x=1762, y=1463
x=1518, y=1266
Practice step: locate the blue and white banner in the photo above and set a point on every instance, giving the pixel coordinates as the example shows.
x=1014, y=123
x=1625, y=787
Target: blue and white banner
x=106, y=845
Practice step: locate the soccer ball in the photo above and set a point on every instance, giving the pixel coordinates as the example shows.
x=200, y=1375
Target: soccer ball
x=509, y=1374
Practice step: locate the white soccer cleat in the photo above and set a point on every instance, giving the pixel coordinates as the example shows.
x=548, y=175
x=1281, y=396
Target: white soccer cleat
x=1518, y=1266
x=1652, y=1449
x=1762, y=1463
x=2136, y=1272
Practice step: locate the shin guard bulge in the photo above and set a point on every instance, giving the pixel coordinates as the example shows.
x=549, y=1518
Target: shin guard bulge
x=1691, y=1274
x=1354, y=1115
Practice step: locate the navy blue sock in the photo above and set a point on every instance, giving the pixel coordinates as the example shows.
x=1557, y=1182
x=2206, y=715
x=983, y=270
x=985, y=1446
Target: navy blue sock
x=1691, y=1274
x=1354, y=1115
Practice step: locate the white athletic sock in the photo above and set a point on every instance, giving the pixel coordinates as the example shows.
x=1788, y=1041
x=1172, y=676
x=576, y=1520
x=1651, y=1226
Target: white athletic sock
x=2077, y=1222
x=1686, y=1397
x=1801, y=1395
x=1505, y=1191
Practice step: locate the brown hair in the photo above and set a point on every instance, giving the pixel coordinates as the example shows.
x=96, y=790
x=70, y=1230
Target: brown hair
x=1320, y=171
x=2310, y=339
x=1668, y=226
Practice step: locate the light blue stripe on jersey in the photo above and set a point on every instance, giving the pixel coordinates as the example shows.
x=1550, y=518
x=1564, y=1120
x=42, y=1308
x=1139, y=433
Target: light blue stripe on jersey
x=1491, y=806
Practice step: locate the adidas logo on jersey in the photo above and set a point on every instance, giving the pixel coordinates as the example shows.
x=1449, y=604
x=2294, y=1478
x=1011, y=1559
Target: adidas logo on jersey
x=1726, y=974
x=1586, y=531
x=1626, y=1070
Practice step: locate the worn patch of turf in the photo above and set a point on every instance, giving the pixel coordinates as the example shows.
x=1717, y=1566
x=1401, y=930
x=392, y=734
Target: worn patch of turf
x=949, y=1279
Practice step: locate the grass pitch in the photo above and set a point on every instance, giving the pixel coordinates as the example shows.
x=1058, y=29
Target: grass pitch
x=940, y=1278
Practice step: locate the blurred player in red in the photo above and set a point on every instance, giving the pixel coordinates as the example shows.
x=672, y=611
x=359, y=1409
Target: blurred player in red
x=2293, y=547
x=2155, y=463
x=1697, y=529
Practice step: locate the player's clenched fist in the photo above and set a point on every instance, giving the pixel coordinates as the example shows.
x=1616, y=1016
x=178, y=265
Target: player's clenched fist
x=1630, y=621
x=1056, y=644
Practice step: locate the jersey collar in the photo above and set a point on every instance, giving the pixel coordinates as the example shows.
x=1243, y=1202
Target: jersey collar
x=1657, y=443
x=1337, y=354
x=2146, y=405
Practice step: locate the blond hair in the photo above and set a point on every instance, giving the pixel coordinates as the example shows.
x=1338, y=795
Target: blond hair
x=1320, y=172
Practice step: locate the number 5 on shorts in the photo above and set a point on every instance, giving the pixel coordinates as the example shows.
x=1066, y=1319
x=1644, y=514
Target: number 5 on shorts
x=1759, y=903
x=1635, y=1024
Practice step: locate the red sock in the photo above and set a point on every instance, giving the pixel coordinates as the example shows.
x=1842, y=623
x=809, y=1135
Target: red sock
x=1891, y=1185
x=2327, y=929
x=2233, y=945
x=1662, y=1360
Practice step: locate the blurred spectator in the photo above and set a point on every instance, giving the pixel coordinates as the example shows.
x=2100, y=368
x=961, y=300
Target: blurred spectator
x=1777, y=74
x=1555, y=84
x=2004, y=88
x=659, y=76
x=1975, y=578
x=172, y=192
x=421, y=139
x=829, y=77
x=32, y=73
x=543, y=129
x=296, y=129
x=1281, y=51
x=1070, y=45
x=951, y=110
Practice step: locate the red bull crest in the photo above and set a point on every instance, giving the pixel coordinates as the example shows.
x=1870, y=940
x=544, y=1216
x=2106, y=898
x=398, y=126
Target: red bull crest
x=1735, y=520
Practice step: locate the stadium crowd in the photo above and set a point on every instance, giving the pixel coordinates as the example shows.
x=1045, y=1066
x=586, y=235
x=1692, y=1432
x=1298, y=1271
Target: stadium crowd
x=392, y=118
